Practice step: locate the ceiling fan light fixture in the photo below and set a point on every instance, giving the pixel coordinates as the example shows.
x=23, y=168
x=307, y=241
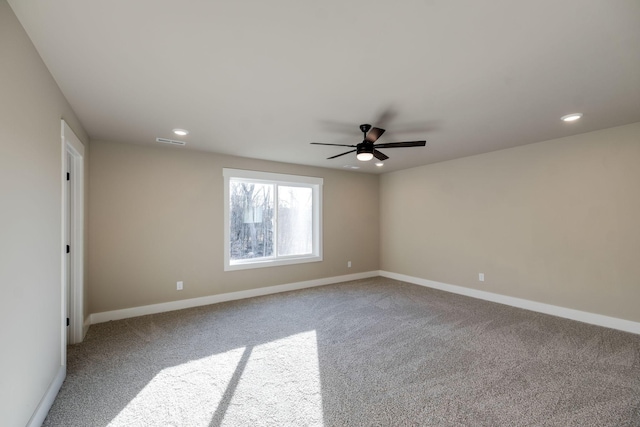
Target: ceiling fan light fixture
x=364, y=151
x=368, y=149
x=364, y=157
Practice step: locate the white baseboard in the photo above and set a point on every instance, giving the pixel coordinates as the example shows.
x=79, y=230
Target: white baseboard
x=567, y=313
x=554, y=310
x=126, y=313
x=47, y=400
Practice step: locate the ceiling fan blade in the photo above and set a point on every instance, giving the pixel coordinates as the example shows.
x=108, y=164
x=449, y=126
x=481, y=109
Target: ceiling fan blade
x=338, y=145
x=338, y=155
x=374, y=134
x=385, y=116
x=402, y=144
x=380, y=156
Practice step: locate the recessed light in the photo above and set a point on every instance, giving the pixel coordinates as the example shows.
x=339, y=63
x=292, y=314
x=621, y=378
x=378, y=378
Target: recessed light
x=379, y=164
x=571, y=117
x=181, y=132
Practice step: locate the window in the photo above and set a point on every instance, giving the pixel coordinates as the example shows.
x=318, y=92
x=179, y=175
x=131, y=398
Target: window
x=271, y=219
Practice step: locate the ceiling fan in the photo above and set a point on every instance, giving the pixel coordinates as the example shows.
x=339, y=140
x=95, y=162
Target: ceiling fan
x=367, y=149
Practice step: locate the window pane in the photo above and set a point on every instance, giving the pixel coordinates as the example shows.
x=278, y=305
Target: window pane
x=271, y=219
x=251, y=220
x=295, y=220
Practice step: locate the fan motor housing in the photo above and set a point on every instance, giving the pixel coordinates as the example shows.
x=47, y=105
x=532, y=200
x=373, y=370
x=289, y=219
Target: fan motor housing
x=364, y=147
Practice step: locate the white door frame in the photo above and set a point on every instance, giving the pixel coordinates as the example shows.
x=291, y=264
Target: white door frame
x=73, y=226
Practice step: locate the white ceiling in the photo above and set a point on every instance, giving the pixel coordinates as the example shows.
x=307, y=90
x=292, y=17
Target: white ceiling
x=263, y=79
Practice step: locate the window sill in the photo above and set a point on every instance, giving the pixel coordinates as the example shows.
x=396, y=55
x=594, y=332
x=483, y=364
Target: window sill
x=250, y=264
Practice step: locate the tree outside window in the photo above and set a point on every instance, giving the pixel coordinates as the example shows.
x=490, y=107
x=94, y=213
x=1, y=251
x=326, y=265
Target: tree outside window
x=271, y=219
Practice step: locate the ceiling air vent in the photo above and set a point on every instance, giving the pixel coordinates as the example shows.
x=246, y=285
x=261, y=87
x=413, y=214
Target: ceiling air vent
x=170, y=141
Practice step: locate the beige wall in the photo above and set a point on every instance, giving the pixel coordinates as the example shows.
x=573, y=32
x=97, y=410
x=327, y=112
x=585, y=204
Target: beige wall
x=156, y=217
x=556, y=222
x=31, y=106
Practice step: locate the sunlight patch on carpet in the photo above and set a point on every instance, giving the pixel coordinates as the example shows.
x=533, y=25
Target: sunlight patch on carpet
x=280, y=385
x=268, y=384
x=189, y=392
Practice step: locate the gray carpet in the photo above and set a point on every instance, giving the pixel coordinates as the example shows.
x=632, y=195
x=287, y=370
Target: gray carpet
x=369, y=352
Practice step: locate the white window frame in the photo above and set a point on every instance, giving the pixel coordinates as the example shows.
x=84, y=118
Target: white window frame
x=279, y=179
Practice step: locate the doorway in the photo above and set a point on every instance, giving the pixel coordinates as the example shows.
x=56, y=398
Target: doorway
x=72, y=238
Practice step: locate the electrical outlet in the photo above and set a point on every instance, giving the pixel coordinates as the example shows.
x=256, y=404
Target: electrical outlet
x=348, y=264
x=481, y=277
x=179, y=285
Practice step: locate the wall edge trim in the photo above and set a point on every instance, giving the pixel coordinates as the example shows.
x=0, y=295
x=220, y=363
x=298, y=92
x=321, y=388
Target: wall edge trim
x=38, y=416
x=85, y=326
